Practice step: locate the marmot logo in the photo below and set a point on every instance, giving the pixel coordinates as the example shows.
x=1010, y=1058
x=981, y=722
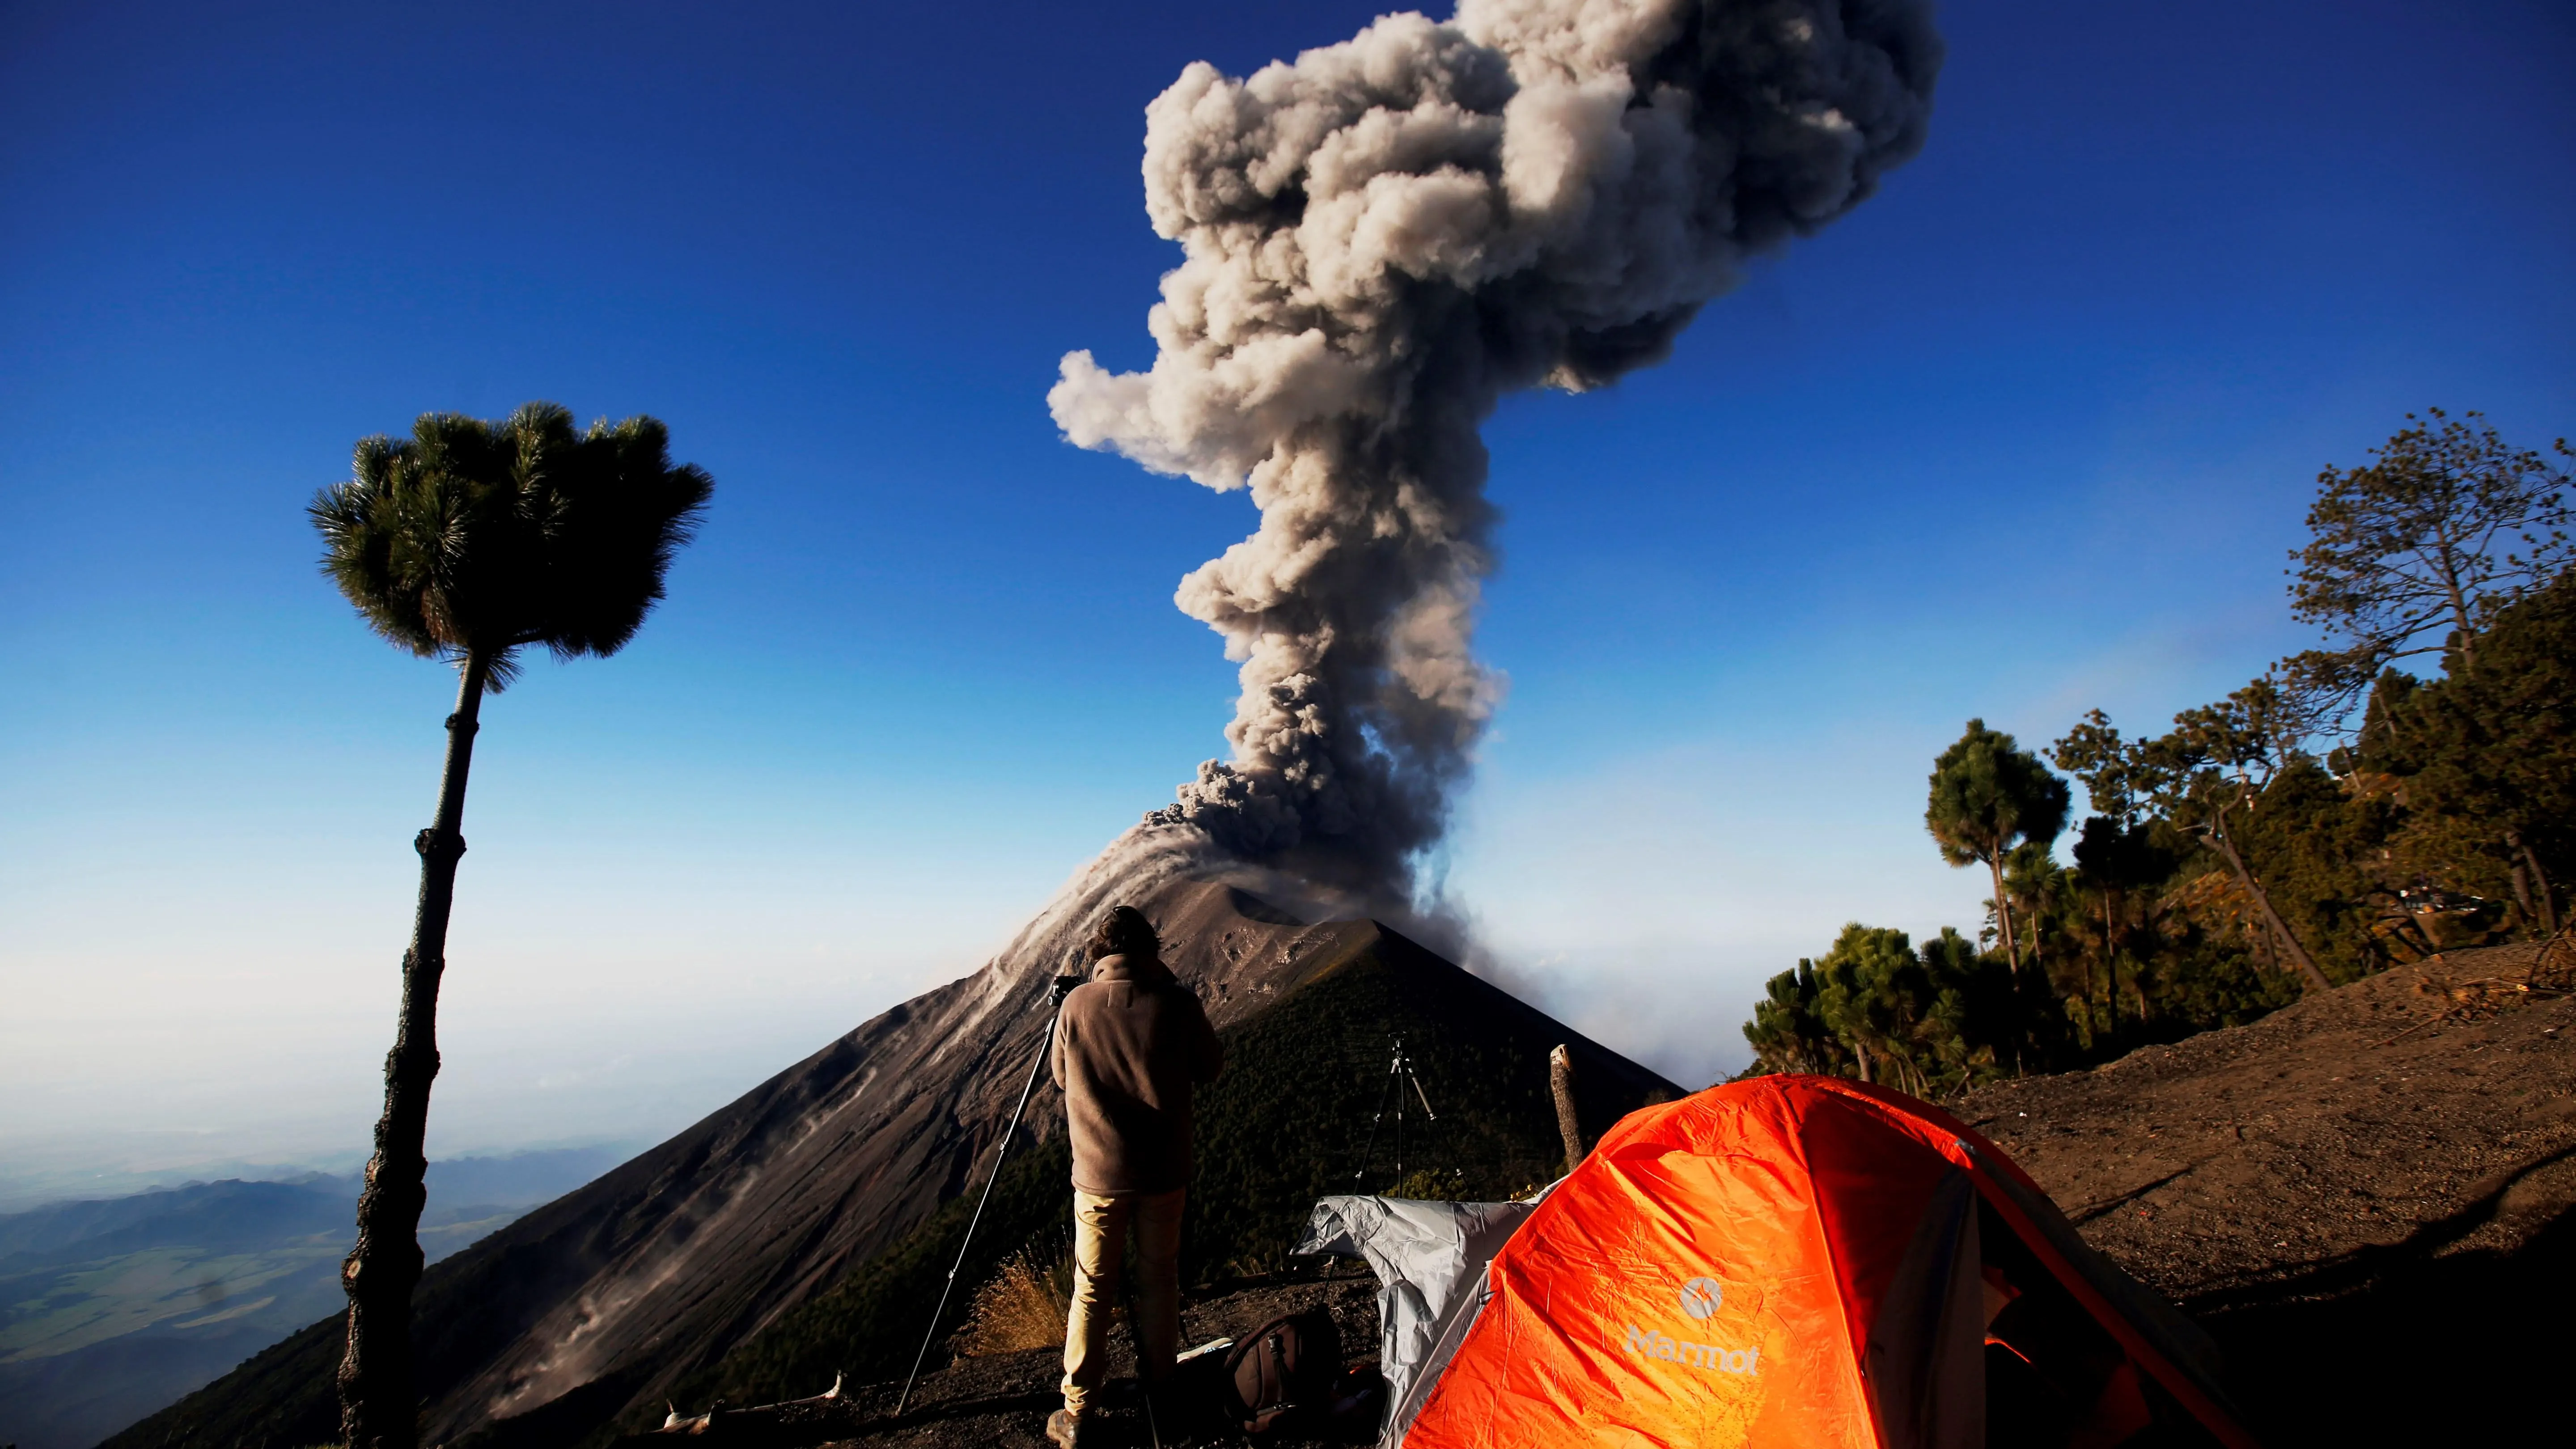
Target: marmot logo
x=1701, y=1296
x=1664, y=1346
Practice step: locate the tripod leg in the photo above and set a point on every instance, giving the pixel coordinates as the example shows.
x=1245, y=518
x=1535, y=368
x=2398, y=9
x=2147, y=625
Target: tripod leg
x=1415, y=1078
x=1368, y=1151
x=1046, y=1045
x=1396, y=1076
x=1153, y=1429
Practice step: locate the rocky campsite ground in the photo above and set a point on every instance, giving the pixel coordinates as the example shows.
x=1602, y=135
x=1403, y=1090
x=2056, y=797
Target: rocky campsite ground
x=1001, y=1401
x=2365, y=1196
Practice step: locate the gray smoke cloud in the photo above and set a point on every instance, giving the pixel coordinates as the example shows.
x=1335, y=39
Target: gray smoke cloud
x=1381, y=239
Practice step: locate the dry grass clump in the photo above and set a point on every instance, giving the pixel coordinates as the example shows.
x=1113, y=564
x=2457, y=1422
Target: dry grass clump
x=1023, y=1306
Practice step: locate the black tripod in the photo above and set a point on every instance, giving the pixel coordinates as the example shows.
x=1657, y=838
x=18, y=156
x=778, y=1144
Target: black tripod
x=1399, y=1073
x=1057, y=991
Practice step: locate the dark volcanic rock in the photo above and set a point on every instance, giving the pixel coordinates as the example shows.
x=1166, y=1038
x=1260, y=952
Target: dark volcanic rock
x=692, y=1247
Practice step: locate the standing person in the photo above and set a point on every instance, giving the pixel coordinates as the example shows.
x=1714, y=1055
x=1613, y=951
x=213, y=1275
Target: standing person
x=1129, y=1044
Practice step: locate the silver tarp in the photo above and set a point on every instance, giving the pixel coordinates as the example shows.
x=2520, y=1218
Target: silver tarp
x=1430, y=1260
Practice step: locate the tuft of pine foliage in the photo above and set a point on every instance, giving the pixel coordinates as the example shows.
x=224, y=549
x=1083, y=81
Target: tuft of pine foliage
x=484, y=537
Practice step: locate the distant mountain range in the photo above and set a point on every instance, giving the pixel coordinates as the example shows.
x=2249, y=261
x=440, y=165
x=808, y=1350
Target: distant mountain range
x=110, y=1309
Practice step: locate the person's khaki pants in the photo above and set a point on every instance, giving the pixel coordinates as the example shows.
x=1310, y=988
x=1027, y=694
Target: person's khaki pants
x=1099, y=1249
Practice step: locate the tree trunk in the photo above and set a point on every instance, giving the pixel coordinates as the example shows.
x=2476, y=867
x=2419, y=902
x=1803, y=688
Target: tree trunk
x=2003, y=912
x=1560, y=1084
x=2316, y=979
x=2545, y=898
x=379, y=1405
x=2110, y=969
x=2459, y=607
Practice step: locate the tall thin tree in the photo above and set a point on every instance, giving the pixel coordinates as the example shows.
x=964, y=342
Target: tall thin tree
x=1988, y=794
x=468, y=542
x=2220, y=758
x=2116, y=851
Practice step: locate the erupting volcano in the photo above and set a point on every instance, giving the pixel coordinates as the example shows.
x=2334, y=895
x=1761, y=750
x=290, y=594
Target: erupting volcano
x=1379, y=240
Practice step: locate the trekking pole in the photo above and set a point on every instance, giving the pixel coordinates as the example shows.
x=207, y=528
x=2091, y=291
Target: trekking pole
x=1057, y=991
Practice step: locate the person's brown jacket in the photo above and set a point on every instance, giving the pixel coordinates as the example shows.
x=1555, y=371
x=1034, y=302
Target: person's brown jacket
x=1128, y=1046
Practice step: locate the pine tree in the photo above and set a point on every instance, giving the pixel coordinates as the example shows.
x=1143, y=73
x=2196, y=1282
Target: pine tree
x=1987, y=796
x=2421, y=545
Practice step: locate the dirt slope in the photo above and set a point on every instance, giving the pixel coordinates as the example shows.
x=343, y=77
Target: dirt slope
x=2366, y=1196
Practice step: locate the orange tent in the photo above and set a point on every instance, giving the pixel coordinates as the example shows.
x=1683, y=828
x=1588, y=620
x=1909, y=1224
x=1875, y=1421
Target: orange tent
x=1808, y=1263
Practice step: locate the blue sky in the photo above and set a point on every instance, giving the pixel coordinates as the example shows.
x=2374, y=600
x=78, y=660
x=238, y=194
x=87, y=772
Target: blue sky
x=2029, y=432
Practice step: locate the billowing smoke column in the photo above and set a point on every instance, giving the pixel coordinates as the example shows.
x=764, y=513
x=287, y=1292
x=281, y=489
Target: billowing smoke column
x=1378, y=242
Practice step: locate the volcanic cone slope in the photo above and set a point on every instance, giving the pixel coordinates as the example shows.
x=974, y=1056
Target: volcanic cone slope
x=797, y=1229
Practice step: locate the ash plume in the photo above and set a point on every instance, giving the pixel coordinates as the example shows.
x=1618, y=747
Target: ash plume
x=1379, y=240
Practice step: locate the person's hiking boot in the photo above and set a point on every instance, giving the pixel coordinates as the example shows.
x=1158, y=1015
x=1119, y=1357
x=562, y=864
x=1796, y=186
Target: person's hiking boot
x=1069, y=1430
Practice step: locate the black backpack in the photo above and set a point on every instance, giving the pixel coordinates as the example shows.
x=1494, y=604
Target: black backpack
x=1283, y=1373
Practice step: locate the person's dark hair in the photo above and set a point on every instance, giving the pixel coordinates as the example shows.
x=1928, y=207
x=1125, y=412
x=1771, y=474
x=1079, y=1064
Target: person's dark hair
x=1124, y=932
